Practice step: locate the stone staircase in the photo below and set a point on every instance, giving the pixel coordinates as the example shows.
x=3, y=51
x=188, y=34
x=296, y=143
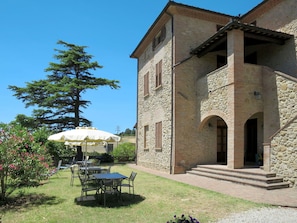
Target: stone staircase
x=250, y=176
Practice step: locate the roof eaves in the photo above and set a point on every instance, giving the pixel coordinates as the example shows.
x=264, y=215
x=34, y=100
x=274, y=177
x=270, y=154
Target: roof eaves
x=166, y=11
x=151, y=27
x=235, y=24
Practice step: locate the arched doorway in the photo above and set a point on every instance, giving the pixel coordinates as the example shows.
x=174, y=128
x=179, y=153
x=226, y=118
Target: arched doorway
x=221, y=141
x=251, y=140
x=214, y=133
x=253, y=151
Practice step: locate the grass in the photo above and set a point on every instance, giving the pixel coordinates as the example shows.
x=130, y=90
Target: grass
x=156, y=200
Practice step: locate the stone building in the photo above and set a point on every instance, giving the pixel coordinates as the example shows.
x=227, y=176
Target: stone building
x=213, y=88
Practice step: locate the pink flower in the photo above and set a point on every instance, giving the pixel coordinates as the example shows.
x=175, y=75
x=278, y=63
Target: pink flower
x=1, y=167
x=12, y=166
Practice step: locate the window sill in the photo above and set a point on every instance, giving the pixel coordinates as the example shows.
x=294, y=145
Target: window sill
x=158, y=88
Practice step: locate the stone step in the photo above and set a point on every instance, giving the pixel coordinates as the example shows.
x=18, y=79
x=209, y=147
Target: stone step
x=264, y=177
x=245, y=171
x=252, y=177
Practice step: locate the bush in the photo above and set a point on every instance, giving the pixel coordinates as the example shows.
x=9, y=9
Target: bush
x=23, y=160
x=183, y=219
x=124, y=152
x=103, y=157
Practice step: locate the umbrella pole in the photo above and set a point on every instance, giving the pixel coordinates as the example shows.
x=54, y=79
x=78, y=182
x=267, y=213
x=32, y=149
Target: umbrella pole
x=86, y=161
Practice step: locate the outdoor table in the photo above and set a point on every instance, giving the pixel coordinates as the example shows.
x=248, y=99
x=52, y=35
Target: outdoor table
x=109, y=176
x=102, y=178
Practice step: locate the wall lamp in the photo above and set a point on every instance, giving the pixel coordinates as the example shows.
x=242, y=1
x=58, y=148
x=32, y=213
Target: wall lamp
x=257, y=95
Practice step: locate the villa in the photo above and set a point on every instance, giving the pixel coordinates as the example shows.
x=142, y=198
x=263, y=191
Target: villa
x=219, y=89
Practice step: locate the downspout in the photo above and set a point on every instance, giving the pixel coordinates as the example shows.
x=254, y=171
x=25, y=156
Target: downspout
x=136, y=125
x=172, y=92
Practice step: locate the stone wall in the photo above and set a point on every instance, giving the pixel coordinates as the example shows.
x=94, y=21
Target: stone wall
x=155, y=107
x=284, y=141
x=213, y=92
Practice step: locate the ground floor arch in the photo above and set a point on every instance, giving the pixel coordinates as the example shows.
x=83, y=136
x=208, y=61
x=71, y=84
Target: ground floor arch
x=217, y=131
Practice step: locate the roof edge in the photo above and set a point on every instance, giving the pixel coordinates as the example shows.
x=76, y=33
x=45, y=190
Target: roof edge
x=166, y=11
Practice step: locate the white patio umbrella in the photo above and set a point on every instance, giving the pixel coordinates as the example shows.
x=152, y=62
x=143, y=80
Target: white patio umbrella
x=84, y=135
x=100, y=147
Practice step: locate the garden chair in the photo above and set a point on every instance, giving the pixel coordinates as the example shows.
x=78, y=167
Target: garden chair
x=58, y=168
x=106, y=170
x=74, y=173
x=112, y=187
x=129, y=182
x=73, y=160
x=87, y=184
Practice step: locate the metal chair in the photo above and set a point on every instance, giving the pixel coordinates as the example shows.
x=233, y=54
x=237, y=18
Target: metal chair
x=87, y=184
x=112, y=187
x=107, y=170
x=129, y=182
x=58, y=168
x=74, y=173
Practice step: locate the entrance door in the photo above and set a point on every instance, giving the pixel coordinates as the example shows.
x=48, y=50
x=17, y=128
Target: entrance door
x=221, y=142
x=251, y=136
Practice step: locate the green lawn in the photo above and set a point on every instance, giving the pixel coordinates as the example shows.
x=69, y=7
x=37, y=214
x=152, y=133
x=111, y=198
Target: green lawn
x=157, y=200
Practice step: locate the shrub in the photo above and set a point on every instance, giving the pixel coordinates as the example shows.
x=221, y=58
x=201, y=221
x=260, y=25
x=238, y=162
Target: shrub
x=124, y=152
x=103, y=157
x=183, y=219
x=23, y=161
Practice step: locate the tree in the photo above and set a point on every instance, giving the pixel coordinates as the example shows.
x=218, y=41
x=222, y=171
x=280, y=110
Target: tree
x=23, y=160
x=27, y=122
x=59, y=97
x=128, y=132
x=124, y=152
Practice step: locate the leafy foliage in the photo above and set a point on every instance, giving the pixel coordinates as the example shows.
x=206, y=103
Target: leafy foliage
x=23, y=160
x=124, y=152
x=128, y=132
x=59, y=97
x=28, y=122
x=183, y=219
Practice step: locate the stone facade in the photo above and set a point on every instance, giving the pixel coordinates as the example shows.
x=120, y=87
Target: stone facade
x=283, y=145
x=231, y=112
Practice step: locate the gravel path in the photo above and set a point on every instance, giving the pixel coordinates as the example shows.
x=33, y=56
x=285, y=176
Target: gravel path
x=263, y=215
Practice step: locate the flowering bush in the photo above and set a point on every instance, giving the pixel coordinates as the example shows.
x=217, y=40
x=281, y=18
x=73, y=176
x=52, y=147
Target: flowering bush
x=23, y=161
x=183, y=219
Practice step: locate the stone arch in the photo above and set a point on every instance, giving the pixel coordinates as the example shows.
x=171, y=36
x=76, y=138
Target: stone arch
x=214, y=128
x=208, y=115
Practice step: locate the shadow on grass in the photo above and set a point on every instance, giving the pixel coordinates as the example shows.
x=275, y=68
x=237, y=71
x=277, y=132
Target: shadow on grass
x=112, y=201
x=24, y=202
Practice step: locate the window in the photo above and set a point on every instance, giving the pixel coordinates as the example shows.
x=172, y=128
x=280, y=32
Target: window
x=146, y=84
x=145, y=140
x=159, y=38
x=159, y=74
x=158, y=135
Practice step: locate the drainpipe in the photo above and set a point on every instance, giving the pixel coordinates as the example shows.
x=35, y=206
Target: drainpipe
x=172, y=82
x=136, y=126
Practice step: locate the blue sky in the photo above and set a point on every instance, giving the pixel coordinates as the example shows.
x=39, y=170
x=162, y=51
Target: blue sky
x=111, y=29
